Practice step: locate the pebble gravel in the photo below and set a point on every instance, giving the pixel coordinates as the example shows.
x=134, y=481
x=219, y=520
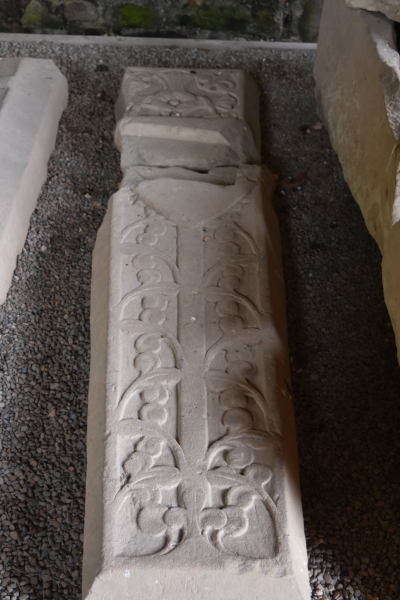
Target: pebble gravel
x=346, y=380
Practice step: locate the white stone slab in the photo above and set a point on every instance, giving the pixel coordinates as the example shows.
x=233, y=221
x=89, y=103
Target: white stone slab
x=192, y=483
x=357, y=72
x=197, y=119
x=390, y=8
x=33, y=95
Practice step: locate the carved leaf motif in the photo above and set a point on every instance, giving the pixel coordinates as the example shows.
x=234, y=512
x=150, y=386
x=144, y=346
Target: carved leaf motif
x=138, y=463
x=148, y=342
x=181, y=94
x=233, y=519
x=146, y=362
x=218, y=381
x=256, y=440
x=175, y=518
x=239, y=457
x=237, y=522
x=142, y=250
x=167, y=288
x=133, y=327
x=216, y=523
x=215, y=294
x=237, y=419
x=228, y=481
x=150, y=519
x=212, y=518
x=254, y=478
x=158, y=520
x=167, y=377
x=238, y=496
x=215, y=83
x=152, y=445
x=161, y=477
x=259, y=475
x=164, y=477
x=142, y=471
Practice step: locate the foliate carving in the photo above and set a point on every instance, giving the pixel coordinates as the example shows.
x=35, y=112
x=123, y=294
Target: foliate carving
x=226, y=494
x=196, y=495
x=181, y=93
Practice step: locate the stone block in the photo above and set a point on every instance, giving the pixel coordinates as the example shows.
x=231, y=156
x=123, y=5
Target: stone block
x=77, y=10
x=357, y=73
x=33, y=95
x=192, y=482
x=197, y=119
x=390, y=8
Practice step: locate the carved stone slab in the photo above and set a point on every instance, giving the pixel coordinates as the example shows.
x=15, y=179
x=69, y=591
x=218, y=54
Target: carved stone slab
x=192, y=486
x=357, y=72
x=33, y=95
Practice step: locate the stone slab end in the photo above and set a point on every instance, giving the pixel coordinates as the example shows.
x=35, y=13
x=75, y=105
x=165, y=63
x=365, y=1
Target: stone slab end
x=190, y=118
x=33, y=95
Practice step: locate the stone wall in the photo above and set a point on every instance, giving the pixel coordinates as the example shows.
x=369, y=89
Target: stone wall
x=218, y=19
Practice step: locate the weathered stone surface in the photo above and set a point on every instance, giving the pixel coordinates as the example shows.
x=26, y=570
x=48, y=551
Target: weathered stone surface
x=33, y=95
x=217, y=113
x=357, y=72
x=390, y=8
x=192, y=485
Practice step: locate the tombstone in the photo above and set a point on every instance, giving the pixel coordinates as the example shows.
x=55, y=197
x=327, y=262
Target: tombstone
x=192, y=482
x=357, y=73
x=33, y=96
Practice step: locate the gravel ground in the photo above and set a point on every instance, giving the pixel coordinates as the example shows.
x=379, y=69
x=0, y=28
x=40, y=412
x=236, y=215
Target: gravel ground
x=346, y=380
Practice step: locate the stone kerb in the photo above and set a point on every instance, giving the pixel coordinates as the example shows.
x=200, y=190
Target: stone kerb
x=357, y=73
x=33, y=95
x=192, y=483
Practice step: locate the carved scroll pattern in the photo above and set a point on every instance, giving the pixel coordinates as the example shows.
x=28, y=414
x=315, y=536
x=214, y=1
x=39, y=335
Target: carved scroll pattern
x=180, y=93
x=229, y=500
x=150, y=476
x=231, y=460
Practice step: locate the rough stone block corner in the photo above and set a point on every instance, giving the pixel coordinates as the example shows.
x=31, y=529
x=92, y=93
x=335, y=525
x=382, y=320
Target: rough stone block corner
x=357, y=73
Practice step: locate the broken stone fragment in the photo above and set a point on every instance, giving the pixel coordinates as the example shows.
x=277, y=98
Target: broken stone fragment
x=357, y=73
x=192, y=484
x=195, y=119
x=390, y=8
x=33, y=95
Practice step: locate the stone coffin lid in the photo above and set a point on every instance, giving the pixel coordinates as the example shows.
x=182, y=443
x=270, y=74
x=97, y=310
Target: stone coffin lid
x=33, y=95
x=192, y=485
x=196, y=119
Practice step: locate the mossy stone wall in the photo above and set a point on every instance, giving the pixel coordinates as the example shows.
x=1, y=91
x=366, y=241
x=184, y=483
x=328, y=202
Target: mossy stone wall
x=218, y=19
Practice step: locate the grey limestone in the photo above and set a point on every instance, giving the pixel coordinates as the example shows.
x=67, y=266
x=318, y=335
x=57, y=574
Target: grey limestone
x=217, y=124
x=192, y=486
